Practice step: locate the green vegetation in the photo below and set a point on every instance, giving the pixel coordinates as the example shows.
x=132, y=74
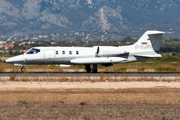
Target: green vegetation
x=171, y=45
x=166, y=69
x=167, y=58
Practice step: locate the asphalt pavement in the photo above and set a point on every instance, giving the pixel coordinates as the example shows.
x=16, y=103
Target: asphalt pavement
x=75, y=74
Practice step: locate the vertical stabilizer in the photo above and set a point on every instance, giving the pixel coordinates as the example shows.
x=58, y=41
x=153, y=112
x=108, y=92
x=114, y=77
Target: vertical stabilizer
x=150, y=40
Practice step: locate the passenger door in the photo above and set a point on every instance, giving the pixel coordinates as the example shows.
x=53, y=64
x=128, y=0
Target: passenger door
x=49, y=56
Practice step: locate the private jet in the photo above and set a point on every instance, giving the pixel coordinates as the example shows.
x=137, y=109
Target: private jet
x=146, y=47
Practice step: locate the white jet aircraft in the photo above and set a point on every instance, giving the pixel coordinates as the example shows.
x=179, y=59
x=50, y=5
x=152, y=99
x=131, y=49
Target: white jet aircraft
x=146, y=47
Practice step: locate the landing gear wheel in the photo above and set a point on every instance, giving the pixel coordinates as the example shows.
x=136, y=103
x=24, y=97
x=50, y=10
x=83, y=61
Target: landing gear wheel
x=88, y=68
x=23, y=69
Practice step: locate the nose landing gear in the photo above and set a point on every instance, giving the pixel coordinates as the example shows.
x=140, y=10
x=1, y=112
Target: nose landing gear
x=23, y=69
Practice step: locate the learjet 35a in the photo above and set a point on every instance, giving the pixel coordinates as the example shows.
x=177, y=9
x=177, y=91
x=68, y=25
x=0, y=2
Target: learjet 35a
x=146, y=47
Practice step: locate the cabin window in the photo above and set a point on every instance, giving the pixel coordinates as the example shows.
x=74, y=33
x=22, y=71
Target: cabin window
x=63, y=52
x=70, y=52
x=57, y=52
x=33, y=51
x=77, y=52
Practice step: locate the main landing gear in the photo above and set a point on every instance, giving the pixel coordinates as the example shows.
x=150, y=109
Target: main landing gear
x=88, y=68
x=23, y=69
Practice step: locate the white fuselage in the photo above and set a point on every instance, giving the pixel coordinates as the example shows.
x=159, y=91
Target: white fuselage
x=70, y=55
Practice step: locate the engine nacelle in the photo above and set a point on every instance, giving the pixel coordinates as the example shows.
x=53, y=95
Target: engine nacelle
x=103, y=51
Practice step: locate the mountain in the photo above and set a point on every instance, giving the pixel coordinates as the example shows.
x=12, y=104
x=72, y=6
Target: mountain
x=129, y=17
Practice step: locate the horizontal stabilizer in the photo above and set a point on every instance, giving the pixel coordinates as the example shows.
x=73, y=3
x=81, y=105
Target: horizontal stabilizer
x=149, y=56
x=155, y=32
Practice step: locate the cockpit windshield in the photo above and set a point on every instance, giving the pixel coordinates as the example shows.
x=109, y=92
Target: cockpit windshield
x=33, y=51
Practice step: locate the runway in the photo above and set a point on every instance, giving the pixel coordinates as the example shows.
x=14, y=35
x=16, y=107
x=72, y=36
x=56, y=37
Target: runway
x=82, y=74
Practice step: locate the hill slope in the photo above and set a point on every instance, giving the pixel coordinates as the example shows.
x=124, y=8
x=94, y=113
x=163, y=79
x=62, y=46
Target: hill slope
x=56, y=16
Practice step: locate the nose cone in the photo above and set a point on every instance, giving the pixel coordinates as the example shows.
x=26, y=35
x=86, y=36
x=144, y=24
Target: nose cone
x=10, y=60
x=16, y=59
x=6, y=61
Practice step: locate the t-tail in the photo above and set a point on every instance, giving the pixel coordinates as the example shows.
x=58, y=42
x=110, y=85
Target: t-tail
x=148, y=45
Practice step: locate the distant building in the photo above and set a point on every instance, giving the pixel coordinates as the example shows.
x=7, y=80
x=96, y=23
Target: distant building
x=2, y=42
x=8, y=46
x=45, y=36
x=40, y=36
x=53, y=43
x=77, y=33
x=34, y=38
x=23, y=43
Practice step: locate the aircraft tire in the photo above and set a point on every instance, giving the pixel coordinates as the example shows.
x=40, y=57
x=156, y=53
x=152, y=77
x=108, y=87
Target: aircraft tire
x=23, y=69
x=88, y=70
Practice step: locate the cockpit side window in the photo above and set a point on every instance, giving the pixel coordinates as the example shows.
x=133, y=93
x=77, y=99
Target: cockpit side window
x=33, y=51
